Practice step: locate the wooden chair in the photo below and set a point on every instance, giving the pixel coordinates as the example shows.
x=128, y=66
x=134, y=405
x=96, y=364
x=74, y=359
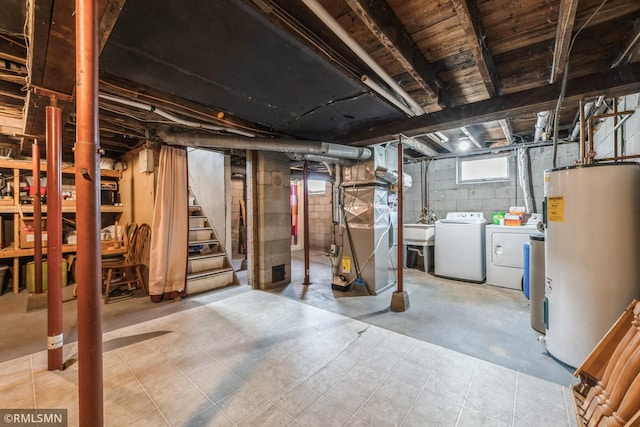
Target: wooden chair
x=128, y=271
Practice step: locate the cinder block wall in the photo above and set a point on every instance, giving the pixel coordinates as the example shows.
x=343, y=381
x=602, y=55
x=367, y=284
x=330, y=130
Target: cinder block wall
x=237, y=194
x=445, y=195
x=273, y=220
x=629, y=132
x=320, y=220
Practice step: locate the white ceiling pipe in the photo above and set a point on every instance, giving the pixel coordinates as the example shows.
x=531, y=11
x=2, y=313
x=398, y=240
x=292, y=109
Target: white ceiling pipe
x=319, y=159
x=171, y=117
x=419, y=146
x=334, y=26
x=541, y=122
x=386, y=95
x=325, y=149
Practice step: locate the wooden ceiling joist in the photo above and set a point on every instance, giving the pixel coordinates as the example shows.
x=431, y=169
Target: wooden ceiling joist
x=631, y=45
x=469, y=17
x=388, y=29
x=566, y=20
x=622, y=81
x=505, y=124
x=475, y=140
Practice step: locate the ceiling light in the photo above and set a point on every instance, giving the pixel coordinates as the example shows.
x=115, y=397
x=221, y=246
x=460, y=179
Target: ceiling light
x=464, y=145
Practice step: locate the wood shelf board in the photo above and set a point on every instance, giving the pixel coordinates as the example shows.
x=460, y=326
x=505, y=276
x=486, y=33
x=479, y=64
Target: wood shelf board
x=28, y=165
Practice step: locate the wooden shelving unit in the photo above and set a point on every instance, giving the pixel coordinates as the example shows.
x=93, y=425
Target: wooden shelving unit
x=12, y=209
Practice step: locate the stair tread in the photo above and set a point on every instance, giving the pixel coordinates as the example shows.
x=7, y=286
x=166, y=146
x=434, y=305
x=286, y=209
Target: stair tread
x=205, y=256
x=200, y=228
x=209, y=273
x=202, y=242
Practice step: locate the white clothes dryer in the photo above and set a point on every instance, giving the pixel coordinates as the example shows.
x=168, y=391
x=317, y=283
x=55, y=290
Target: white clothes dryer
x=505, y=252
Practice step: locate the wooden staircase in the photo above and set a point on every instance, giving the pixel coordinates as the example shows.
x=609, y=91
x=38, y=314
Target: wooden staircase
x=208, y=267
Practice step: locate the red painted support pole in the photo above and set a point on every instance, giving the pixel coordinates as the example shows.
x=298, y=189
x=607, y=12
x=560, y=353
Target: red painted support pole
x=400, y=216
x=90, y=396
x=55, y=339
x=37, y=219
x=305, y=175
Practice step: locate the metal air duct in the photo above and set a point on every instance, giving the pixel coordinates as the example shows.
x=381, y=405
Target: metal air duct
x=325, y=149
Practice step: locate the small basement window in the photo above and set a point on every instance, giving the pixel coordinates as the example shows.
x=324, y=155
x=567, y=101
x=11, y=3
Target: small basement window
x=483, y=169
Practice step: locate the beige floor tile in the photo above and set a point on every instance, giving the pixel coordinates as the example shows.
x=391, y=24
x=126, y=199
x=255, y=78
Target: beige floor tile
x=267, y=415
x=204, y=371
x=348, y=394
x=270, y=381
x=488, y=402
x=324, y=413
x=152, y=418
x=322, y=380
x=222, y=385
x=210, y=417
x=378, y=411
x=180, y=409
x=241, y=403
x=128, y=409
x=296, y=399
x=471, y=418
x=402, y=391
x=433, y=410
x=169, y=389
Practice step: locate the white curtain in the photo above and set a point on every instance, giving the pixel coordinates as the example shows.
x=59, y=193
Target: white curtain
x=170, y=227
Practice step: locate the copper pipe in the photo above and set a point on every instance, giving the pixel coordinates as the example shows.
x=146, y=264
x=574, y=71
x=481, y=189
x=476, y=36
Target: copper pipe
x=37, y=219
x=305, y=196
x=54, y=241
x=90, y=383
x=582, y=141
x=400, y=243
x=591, y=145
x=615, y=123
x=608, y=159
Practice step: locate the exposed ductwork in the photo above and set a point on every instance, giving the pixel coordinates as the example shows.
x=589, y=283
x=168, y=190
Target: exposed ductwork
x=327, y=150
x=320, y=159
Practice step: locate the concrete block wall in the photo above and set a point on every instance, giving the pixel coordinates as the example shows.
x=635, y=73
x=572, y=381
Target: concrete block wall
x=320, y=223
x=628, y=133
x=237, y=194
x=273, y=220
x=445, y=195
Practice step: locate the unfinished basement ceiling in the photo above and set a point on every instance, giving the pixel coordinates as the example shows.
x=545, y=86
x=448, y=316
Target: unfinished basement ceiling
x=480, y=71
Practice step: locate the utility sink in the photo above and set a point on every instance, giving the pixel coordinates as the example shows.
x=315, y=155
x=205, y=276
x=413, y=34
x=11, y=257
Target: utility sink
x=419, y=234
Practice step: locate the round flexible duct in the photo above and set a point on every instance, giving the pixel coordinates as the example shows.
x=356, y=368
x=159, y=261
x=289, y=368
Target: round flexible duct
x=324, y=149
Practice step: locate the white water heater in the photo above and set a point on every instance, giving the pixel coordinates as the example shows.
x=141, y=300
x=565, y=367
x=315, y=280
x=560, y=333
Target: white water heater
x=592, y=254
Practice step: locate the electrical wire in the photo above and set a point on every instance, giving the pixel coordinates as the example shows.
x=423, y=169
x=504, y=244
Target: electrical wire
x=563, y=88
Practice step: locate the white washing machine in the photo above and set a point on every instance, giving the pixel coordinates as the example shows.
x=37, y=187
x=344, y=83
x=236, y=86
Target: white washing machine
x=505, y=253
x=459, y=248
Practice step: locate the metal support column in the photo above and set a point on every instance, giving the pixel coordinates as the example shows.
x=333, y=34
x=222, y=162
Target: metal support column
x=400, y=299
x=90, y=382
x=37, y=219
x=55, y=339
x=305, y=197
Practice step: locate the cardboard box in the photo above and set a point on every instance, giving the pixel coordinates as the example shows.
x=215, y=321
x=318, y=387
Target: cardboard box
x=27, y=237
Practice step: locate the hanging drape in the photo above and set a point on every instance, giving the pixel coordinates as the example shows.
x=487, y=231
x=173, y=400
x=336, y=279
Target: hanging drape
x=170, y=227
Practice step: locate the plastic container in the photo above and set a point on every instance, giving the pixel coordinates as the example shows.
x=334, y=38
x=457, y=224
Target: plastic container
x=526, y=249
x=30, y=277
x=497, y=218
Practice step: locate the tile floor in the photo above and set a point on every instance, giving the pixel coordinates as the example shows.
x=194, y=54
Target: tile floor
x=258, y=359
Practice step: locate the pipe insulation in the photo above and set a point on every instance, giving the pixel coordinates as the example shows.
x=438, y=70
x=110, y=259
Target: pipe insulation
x=337, y=29
x=541, y=123
x=324, y=149
x=171, y=117
x=524, y=179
